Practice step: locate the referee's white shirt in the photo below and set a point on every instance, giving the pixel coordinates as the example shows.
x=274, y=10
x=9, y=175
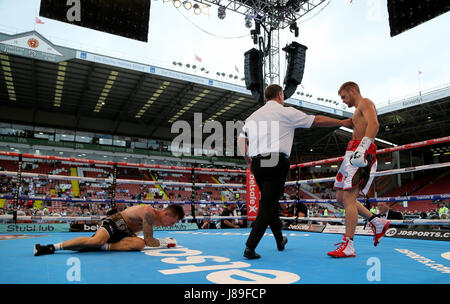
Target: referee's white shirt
x=271, y=128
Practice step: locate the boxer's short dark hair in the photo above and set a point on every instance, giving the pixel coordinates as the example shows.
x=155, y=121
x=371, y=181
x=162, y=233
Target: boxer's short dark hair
x=176, y=210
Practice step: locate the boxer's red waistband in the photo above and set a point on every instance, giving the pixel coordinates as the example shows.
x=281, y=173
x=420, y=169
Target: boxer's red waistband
x=353, y=144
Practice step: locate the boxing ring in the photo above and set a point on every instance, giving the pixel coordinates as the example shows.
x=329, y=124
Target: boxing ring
x=215, y=256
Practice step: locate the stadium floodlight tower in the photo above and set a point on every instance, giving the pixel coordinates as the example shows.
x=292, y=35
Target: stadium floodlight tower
x=272, y=16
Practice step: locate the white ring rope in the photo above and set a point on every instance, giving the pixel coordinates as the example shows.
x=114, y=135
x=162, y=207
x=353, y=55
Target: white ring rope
x=119, y=180
x=426, y=197
x=98, y=218
x=119, y=164
x=379, y=173
x=202, y=185
x=166, y=167
x=445, y=222
x=382, y=151
x=362, y=221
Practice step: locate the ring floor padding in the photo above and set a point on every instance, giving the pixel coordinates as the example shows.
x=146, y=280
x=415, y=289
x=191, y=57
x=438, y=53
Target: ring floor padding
x=216, y=256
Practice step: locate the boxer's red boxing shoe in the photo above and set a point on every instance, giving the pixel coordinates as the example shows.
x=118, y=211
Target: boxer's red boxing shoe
x=379, y=227
x=345, y=249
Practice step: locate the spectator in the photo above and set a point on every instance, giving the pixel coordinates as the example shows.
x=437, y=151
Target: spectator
x=228, y=223
x=443, y=210
x=207, y=224
x=386, y=212
x=299, y=210
x=374, y=210
x=423, y=216
x=435, y=227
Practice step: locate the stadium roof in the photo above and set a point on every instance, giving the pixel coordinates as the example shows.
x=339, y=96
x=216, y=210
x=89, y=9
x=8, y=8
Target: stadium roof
x=46, y=85
x=416, y=118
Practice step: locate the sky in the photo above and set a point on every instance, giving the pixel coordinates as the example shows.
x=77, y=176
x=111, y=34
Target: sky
x=346, y=41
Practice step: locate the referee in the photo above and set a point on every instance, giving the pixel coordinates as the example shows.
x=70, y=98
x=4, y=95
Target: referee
x=266, y=143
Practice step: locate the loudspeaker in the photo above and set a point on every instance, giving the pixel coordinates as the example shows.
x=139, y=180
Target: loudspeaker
x=404, y=15
x=126, y=18
x=296, y=56
x=253, y=71
x=253, y=68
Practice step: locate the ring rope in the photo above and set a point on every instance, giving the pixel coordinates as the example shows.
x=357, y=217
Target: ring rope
x=121, y=164
x=362, y=221
x=119, y=181
x=445, y=222
x=382, y=151
x=379, y=173
x=201, y=185
x=20, y=175
x=98, y=217
x=426, y=197
x=149, y=166
x=108, y=201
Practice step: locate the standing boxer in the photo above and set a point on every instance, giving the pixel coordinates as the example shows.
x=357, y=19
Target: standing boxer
x=357, y=169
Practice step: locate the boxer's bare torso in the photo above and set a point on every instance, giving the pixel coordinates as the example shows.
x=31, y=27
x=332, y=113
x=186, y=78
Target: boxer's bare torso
x=135, y=216
x=365, y=107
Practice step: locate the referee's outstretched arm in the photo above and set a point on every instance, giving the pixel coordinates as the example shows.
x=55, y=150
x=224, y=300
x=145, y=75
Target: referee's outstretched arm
x=324, y=121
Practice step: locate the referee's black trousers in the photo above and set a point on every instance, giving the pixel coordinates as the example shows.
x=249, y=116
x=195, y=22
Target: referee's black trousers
x=270, y=181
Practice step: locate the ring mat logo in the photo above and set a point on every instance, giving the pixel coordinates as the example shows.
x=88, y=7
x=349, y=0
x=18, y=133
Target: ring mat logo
x=391, y=232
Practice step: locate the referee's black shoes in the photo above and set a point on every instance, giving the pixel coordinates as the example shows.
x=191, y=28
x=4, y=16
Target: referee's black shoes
x=251, y=254
x=281, y=245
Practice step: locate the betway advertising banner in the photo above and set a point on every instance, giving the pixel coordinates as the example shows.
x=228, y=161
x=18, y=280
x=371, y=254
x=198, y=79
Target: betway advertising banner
x=95, y=227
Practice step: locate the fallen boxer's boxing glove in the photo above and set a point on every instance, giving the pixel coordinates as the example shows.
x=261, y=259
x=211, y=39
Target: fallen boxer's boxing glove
x=167, y=242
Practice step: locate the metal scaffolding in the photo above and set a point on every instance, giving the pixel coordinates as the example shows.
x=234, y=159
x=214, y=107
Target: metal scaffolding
x=280, y=13
x=273, y=15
